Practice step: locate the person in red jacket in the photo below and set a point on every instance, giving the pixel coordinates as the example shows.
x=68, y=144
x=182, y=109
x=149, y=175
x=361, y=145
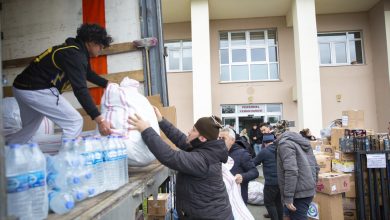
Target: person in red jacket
x=38, y=88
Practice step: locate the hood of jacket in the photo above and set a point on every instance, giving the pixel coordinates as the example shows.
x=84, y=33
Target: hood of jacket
x=237, y=145
x=294, y=137
x=216, y=150
x=80, y=44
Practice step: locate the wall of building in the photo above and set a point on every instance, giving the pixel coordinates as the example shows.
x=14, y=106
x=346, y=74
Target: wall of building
x=180, y=83
x=355, y=83
x=381, y=65
x=258, y=92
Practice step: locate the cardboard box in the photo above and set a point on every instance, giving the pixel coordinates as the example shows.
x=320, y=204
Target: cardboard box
x=342, y=156
x=350, y=215
x=168, y=113
x=155, y=100
x=314, y=144
x=156, y=217
x=343, y=166
x=349, y=203
x=330, y=206
x=88, y=123
x=324, y=162
x=160, y=206
x=333, y=183
x=352, y=189
x=353, y=119
x=327, y=150
x=325, y=141
x=335, y=135
x=323, y=148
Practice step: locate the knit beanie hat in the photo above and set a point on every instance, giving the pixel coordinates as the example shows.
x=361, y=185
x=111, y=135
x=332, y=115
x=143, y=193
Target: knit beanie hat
x=267, y=138
x=209, y=127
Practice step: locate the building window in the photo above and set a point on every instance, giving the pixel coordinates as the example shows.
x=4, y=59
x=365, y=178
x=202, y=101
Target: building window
x=179, y=56
x=248, y=56
x=344, y=48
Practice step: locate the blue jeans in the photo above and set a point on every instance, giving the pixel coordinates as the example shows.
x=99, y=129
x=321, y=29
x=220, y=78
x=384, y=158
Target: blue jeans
x=302, y=206
x=257, y=148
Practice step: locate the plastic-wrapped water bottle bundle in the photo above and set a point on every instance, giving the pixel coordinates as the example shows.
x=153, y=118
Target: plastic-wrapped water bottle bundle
x=69, y=177
x=83, y=168
x=115, y=162
x=26, y=185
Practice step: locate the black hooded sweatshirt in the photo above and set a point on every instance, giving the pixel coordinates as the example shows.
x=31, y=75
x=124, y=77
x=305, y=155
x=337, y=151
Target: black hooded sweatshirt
x=200, y=190
x=63, y=66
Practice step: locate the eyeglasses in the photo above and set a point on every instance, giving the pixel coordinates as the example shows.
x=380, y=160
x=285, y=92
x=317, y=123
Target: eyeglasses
x=215, y=121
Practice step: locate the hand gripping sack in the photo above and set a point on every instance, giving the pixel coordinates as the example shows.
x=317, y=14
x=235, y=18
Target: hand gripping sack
x=118, y=103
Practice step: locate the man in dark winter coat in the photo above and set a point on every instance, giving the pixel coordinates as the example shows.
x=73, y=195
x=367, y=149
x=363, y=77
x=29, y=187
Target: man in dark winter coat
x=200, y=190
x=297, y=173
x=38, y=88
x=255, y=135
x=272, y=198
x=243, y=169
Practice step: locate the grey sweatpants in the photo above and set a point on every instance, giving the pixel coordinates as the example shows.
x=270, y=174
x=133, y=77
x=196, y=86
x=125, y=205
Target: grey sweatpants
x=34, y=104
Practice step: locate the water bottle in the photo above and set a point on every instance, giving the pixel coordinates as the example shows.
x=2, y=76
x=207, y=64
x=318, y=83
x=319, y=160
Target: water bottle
x=111, y=163
x=63, y=180
x=18, y=195
x=119, y=160
x=63, y=175
x=98, y=165
x=60, y=202
x=37, y=182
x=123, y=153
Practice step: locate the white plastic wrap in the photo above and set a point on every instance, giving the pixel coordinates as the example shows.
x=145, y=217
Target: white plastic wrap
x=240, y=211
x=255, y=193
x=13, y=123
x=118, y=103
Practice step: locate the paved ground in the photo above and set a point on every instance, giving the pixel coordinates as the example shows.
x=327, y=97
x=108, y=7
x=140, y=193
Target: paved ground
x=257, y=211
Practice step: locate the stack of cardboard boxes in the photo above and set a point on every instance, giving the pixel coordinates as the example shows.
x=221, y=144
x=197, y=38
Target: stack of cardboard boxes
x=336, y=184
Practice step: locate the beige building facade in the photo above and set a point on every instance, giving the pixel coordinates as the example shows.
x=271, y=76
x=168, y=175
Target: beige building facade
x=302, y=60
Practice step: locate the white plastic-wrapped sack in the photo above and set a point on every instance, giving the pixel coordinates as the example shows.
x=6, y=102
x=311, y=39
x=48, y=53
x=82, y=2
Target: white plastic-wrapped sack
x=240, y=211
x=13, y=123
x=255, y=193
x=118, y=103
x=11, y=116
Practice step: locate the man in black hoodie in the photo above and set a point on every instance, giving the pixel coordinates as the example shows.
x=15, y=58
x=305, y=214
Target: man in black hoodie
x=200, y=190
x=38, y=88
x=243, y=169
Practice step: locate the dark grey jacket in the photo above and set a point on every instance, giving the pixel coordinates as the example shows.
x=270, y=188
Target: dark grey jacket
x=297, y=167
x=200, y=190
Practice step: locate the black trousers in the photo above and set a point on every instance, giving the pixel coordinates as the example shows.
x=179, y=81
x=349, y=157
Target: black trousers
x=273, y=202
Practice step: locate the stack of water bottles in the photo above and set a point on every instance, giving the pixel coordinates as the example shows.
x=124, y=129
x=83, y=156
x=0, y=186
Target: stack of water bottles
x=26, y=185
x=69, y=181
x=85, y=167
